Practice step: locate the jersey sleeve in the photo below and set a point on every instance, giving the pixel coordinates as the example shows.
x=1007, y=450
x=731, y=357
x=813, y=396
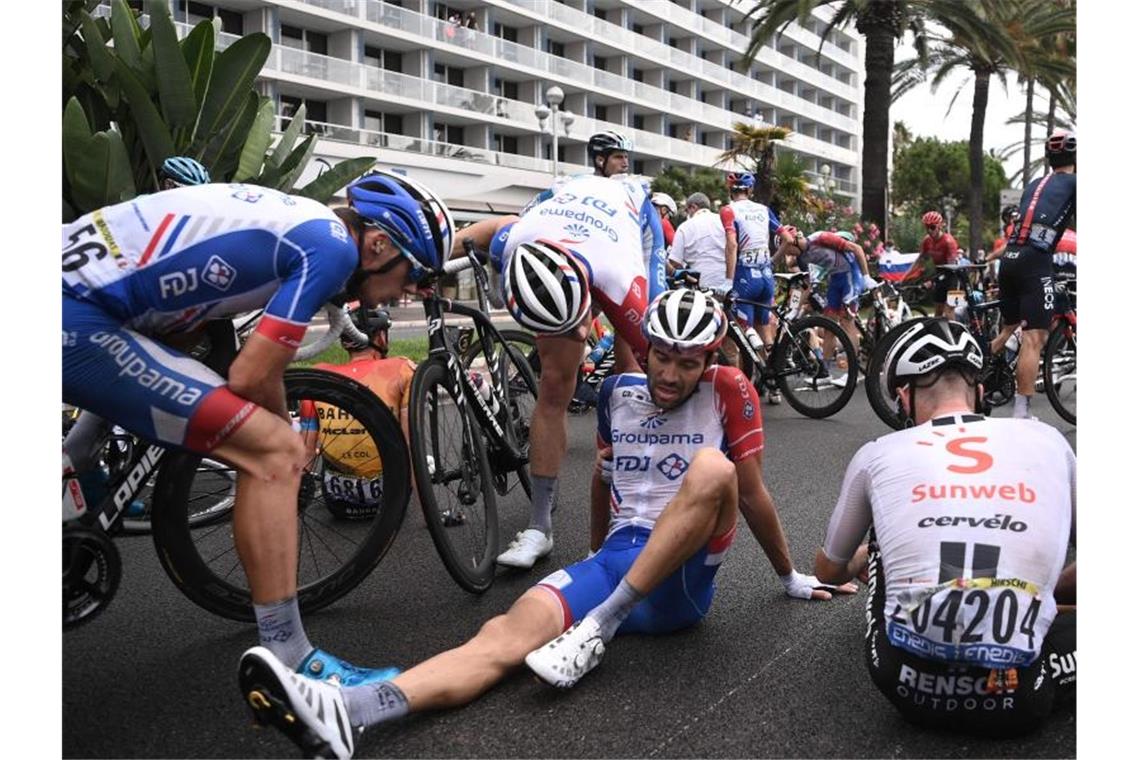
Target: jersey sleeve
x=950, y=245
x=852, y=514
x=499, y=247
x=407, y=372
x=830, y=240
x=605, y=428
x=773, y=222
x=312, y=261
x=727, y=219
x=739, y=410
x=653, y=243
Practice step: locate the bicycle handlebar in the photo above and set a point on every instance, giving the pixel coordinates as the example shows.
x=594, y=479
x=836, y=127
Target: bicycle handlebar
x=339, y=322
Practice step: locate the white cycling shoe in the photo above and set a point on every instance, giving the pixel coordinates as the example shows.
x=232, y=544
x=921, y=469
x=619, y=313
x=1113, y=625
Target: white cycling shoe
x=311, y=713
x=562, y=662
x=528, y=547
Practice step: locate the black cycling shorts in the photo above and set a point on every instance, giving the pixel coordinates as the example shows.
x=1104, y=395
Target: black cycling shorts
x=1025, y=282
x=970, y=699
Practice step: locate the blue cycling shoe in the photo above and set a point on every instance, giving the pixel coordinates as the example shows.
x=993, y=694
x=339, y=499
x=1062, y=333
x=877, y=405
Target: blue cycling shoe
x=322, y=666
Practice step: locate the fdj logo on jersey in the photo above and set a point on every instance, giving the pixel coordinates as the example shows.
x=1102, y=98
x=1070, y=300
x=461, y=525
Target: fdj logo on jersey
x=218, y=273
x=673, y=466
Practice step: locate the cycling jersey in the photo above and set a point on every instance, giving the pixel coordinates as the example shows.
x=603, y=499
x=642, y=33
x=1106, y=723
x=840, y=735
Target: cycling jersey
x=754, y=224
x=652, y=449
x=605, y=222
x=699, y=242
x=972, y=516
x=943, y=250
x=1047, y=207
x=164, y=263
x=667, y=232
x=827, y=251
x=589, y=205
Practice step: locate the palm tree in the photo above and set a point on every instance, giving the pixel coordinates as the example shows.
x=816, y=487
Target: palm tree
x=789, y=185
x=990, y=38
x=755, y=146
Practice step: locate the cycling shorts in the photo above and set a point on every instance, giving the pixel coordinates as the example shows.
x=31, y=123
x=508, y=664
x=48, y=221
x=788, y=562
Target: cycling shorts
x=1025, y=282
x=617, y=286
x=681, y=600
x=151, y=390
x=843, y=289
x=967, y=698
x=755, y=284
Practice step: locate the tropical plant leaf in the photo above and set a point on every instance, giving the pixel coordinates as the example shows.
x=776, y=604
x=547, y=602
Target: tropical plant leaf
x=175, y=90
x=125, y=33
x=97, y=166
x=221, y=155
x=101, y=61
x=288, y=137
x=292, y=167
x=198, y=50
x=233, y=73
x=323, y=187
x=152, y=129
x=256, y=143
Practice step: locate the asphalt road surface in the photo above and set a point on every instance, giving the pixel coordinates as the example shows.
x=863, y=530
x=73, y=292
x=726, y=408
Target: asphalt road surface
x=761, y=676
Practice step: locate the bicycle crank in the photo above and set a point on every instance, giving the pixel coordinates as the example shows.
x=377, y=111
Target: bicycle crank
x=92, y=570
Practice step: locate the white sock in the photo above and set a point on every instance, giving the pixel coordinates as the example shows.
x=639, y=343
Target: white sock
x=1020, y=406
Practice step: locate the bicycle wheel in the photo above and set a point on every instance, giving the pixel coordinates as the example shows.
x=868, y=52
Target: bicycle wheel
x=520, y=386
x=1060, y=357
x=520, y=339
x=211, y=498
x=882, y=401
x=453, y=477
x=805, y=374
x=334, y=555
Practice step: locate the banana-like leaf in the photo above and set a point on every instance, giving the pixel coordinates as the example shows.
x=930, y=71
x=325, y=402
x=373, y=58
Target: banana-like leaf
x=101, y=61
x=292, y=167
x=323, y=187
x=234, y=71
x=222, y=153
x=288, y=137
x=152, y=129
x=256, y=142
x=125, y=33
x=97, y=166
x=175, y=90
x=198, y=50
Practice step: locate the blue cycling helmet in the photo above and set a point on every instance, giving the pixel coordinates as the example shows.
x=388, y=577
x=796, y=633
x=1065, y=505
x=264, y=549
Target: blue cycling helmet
x=741, y=181
x=183, y=171
x=415, y=218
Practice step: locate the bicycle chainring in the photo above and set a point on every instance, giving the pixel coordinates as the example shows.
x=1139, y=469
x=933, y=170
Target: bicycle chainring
x=92, y=569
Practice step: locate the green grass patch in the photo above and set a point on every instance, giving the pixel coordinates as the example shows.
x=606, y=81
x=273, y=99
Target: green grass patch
x=413, y=348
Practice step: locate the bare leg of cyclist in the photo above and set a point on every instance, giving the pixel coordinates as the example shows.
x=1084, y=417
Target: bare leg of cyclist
x=1028, y=361
x=624, y=358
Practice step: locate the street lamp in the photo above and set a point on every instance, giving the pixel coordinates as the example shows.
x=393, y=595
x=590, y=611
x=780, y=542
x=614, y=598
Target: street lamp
x=554, y=98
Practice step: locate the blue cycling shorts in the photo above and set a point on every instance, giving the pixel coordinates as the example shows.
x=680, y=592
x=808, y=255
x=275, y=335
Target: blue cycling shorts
x=680, y=601
x=843, y=289
x=755, y=284
x=149, y=389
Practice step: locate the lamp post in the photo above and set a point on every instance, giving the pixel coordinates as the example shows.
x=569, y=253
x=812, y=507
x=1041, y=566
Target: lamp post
x=554, y=98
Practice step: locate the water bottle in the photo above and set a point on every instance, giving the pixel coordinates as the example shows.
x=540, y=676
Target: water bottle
x=600, y=350
x=1012, y=346
x=484, y=389
x=754, y=339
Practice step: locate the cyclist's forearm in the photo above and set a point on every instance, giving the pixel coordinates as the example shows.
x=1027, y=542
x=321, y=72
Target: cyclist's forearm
x=760, y=513
x=481, y=233
x=730, y=257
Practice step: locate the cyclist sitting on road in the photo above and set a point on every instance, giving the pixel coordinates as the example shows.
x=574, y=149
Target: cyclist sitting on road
x=969, y=517
x=155, y=268
x=582, y=246
x=351, y=479
x=663, y=508
x=942, y=249
x=1025, y=279
x=749, y=228
x=181, y=171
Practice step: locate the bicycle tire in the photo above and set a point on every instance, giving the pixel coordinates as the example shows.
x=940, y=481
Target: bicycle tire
x=521, y=390
x=517, y=338
x=206, y=509
x=433, y=400
x=881, y=401
x=797, y=365
x=195, y=575
x=1060, y=357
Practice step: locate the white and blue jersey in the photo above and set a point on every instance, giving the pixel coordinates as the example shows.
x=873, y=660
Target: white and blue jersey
x=754, y=225
x=163, y=264
x=652, y=449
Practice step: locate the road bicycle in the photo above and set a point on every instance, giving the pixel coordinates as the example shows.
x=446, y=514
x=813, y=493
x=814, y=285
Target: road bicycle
x=469, y=429
x=334, y=555
x=883, y=316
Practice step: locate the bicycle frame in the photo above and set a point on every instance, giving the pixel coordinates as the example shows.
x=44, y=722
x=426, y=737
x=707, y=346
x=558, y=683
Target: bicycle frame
x=107, y=513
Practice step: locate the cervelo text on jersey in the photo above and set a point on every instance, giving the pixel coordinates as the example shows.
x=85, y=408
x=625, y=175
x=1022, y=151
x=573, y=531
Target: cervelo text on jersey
x=652, y=448
x=165, y=262
x=972, y=517
x=754, y=224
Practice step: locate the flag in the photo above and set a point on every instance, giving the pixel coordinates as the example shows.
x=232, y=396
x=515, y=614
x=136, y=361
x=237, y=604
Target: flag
x=894, y=264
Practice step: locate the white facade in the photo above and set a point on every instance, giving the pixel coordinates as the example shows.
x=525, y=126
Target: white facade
x=455, y=107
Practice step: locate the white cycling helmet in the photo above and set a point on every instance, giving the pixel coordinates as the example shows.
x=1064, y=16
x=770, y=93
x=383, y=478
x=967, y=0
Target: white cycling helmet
x=664, y=199
x=546, y=288
x=685, y=322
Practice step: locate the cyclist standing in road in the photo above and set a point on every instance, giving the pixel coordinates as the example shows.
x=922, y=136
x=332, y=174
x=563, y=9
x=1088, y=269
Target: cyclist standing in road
x=1025, y=280
x=665, y=206
x=148, y=272
x=679, y=450
x=941, y=248
x=970, y=518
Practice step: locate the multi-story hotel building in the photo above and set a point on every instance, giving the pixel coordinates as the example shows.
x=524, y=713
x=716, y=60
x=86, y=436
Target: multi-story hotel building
x=455, y=106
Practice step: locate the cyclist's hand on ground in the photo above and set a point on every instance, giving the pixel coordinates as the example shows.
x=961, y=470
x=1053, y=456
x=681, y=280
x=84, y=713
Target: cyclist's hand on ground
x=801, y=586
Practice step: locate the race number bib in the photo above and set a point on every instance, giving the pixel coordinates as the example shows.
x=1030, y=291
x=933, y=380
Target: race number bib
x=955, y=298
x=364, y=492
x=754, y=258
x=795, y=296
x=989, y=622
